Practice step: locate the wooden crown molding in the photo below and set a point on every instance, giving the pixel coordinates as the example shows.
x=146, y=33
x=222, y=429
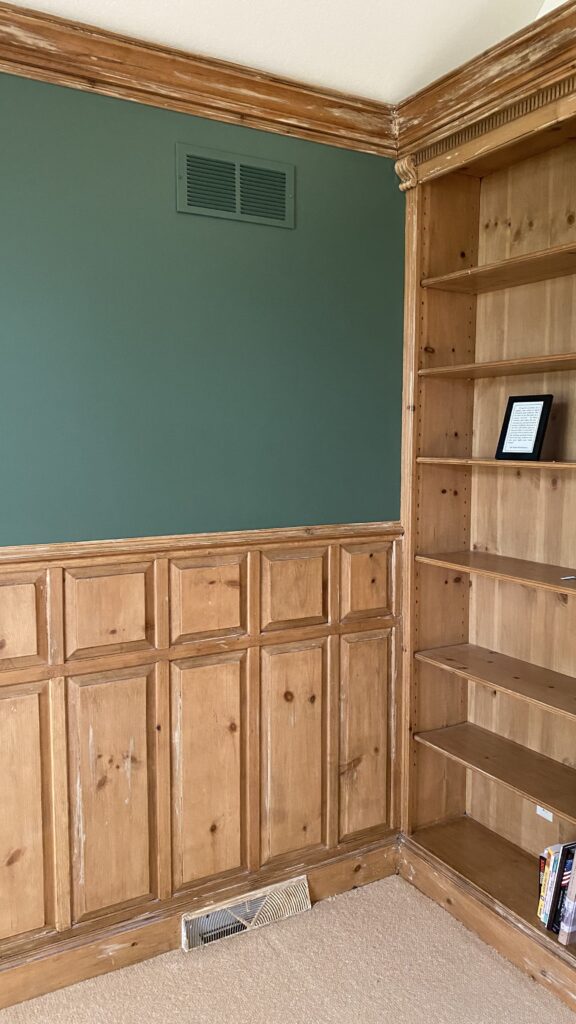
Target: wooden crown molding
x=64, y=52
x=520, y=86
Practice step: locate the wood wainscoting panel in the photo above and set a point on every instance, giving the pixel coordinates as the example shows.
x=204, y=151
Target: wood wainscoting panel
x=294, y=587
x=366, y=580
x=208, y=700
x=22, y=883
x=364, y=695
x=208, y=597
x=23, y=631
x=293, y=746
x=108, y=609
x=110, y=788
x=170, y=733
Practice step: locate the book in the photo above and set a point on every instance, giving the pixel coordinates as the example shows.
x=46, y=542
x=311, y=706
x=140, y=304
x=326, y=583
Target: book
x=548, y=853
x=565, y=862
x=551, y=883
x=567, y=933
x=542, y=868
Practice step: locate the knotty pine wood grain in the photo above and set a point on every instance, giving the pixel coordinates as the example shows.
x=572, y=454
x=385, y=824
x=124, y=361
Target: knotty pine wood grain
x=547, y=689
x=93, y=702
x=541, y=778
x=208, y=734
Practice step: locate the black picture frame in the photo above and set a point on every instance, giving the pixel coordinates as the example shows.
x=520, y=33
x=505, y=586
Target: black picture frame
x=543, y=416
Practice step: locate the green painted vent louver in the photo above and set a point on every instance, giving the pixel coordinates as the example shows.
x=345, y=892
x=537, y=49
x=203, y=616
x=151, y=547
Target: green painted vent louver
x=216, y=184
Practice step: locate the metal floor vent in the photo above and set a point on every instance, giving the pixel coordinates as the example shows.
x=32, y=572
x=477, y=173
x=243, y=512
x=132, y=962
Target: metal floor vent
x=275, y=903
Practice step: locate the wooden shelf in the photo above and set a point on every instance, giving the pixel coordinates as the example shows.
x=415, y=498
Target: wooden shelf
x=526, y=269
x=543, y=780
x=551, y=690
x=498, y=868
x=432, y=460
x=503, y=367
x=500, y=567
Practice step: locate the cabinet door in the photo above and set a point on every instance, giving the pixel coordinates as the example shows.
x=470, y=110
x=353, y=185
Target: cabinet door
x=22, y=826
x=110, y=786
x=364, y=689
x=208, y=741
x=294, y=747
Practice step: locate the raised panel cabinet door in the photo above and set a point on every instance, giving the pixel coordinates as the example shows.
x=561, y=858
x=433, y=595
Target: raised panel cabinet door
x=208, y=700
x=108, y=609
x=364, y=693
x=109, y=788
x=293, y=747
x=366, y=580
x=23, y=632
x=294, y=587
x=208, y=597
x=22, y=888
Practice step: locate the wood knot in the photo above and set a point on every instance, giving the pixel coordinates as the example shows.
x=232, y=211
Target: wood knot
x=233, y=727
x=13, y=857
x=213, y=827
x=289, y=696
x=312, y=698
x=357, y=868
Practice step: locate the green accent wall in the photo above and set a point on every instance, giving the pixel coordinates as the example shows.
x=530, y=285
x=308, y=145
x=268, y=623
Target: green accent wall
x=165, y=373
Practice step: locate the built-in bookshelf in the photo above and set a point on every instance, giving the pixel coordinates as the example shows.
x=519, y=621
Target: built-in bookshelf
x=491, y=572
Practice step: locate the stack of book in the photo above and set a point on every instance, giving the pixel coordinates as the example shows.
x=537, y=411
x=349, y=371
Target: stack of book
x=557, y=903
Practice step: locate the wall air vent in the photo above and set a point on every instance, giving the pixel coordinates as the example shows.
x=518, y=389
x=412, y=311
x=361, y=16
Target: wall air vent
x=216, y=184
x=275, y=903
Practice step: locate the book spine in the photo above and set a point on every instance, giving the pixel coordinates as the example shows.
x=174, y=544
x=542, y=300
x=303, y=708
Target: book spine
x=572, y=883
x=557, y=920
x=561, y=888
x=567, y=933
x=550, y=886
x=542, y=899
x=542, y=868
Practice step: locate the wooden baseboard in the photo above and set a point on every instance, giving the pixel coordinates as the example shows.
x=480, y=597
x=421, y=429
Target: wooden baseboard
x=45, y=970
x=493, y=923
x=35, y=973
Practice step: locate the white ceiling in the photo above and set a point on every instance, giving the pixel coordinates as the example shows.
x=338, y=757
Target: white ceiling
x=381, y=49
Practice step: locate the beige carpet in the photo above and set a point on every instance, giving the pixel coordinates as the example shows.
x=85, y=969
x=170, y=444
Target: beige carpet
x=383, y=954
